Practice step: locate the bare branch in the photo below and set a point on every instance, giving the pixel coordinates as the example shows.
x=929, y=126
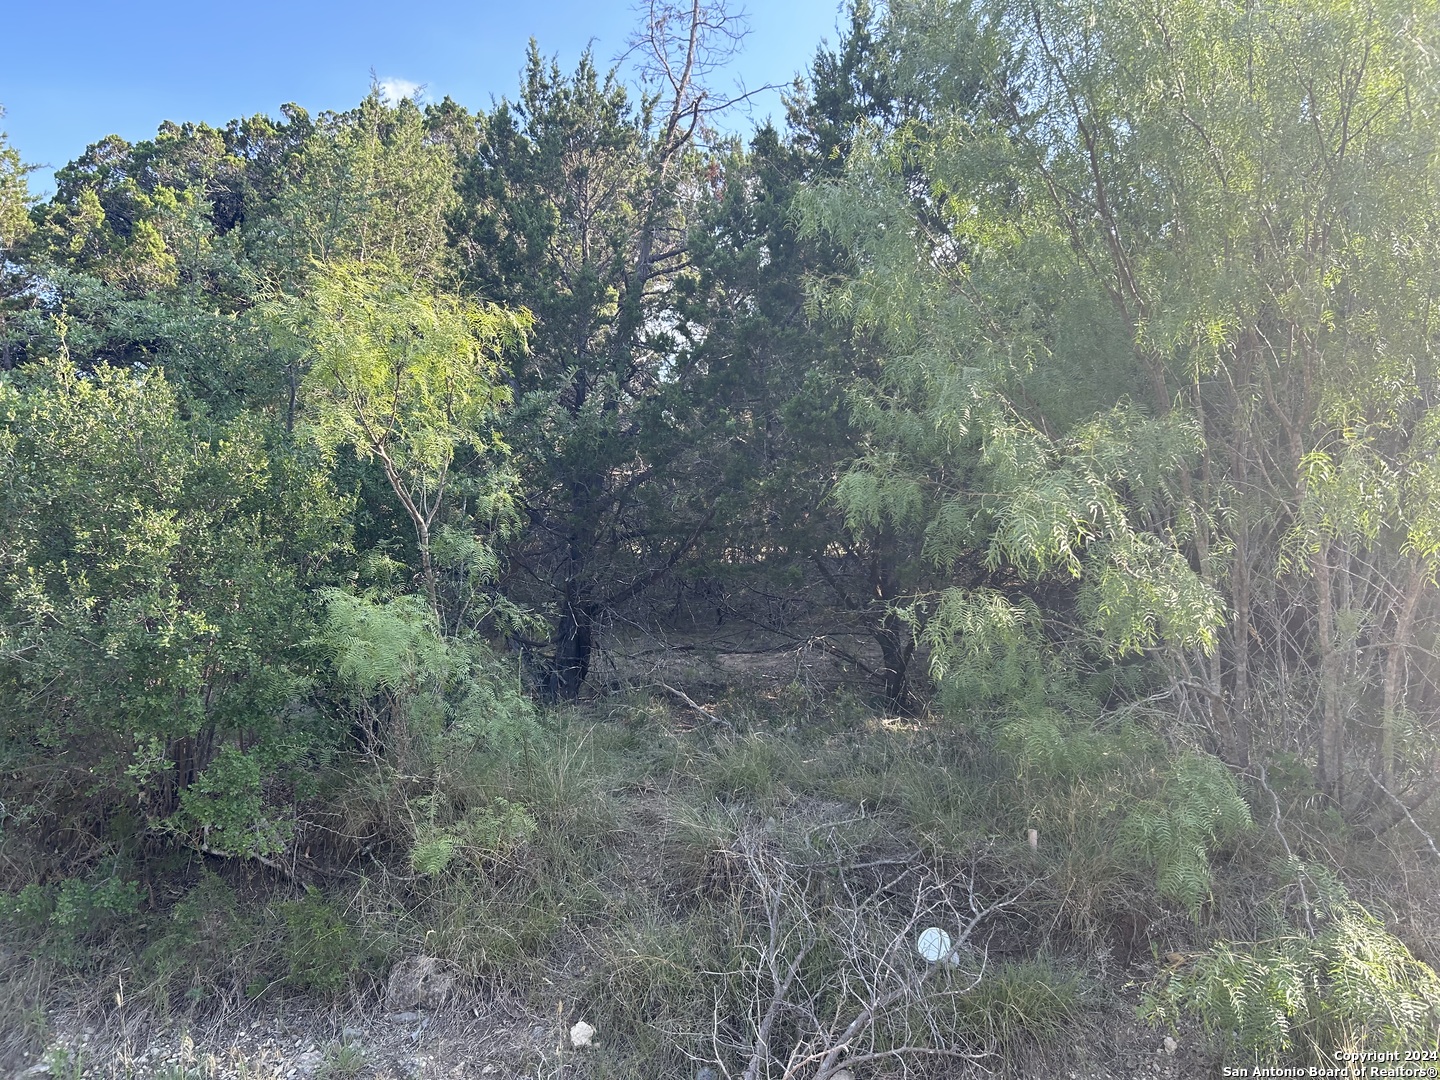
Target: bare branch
x=876, y=999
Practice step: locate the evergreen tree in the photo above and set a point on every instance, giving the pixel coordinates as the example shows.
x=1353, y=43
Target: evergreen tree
x=15, y=226
x=577, y=207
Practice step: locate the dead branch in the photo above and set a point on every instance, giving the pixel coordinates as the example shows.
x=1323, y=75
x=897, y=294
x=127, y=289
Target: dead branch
x=1406, y=811
x=689, y=701
x=876, y=1000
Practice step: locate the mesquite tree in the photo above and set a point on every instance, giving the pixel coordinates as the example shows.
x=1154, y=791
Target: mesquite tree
x=1159, y=284
x=403, y=376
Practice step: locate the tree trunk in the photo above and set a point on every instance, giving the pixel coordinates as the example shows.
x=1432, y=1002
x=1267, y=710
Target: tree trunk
x=1331, y=750
x=574, y=631
x=427, y=572
x=895, y=636
x=1247, y=357
x=1240, y=647
x=574, y=638
x=1411, y=591
x=897, y=646
x=1210, y=664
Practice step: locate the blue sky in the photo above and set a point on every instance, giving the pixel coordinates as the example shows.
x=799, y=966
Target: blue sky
x=122, y=68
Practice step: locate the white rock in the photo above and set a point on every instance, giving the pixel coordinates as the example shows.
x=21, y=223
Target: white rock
x=1170, y=1045
x=582, y=1034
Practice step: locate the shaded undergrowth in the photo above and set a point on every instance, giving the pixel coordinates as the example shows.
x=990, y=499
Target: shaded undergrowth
x=647, y=870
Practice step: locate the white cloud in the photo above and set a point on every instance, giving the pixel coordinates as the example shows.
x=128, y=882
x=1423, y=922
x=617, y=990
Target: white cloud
x=392, y=90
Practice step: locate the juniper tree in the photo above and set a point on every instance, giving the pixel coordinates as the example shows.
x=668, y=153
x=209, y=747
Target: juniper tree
x=780, y=382
x=577, y=206
x=15, y=225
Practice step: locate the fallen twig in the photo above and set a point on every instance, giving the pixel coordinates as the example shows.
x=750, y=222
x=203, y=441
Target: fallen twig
x=692, y=703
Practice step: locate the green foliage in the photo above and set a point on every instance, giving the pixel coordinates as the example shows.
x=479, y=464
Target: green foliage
x=439, y=709
x=752, y=768
x=952, y=450
x=14, y=197
x=153, y=604
x=1124, y=346
x=65, y=1063
x=403, y=376
x=211, y=353
x=15, y=226
x=226, y=805
x=390, y=646
x=451, y=694
x=1098, y=374
x=213, y=947
x=577, y=207
x=985, y=647
x=1298, y=996
x=371, y=184
x=1197, y=811
x=1045, y=742
x=75, y=907
x=322, y=951
x=397, y=372
x=999, y=675
x=481, y=834
x=104, y=222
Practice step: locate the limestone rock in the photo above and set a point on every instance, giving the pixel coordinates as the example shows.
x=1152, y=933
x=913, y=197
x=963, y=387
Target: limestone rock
x=582, y=1034
x=418, y=982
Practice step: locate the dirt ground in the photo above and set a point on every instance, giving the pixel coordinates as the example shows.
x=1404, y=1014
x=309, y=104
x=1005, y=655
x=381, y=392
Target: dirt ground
x=470, y=1038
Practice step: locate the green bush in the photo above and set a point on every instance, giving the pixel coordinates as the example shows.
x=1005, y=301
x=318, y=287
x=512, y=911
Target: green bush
x=1198, y=810
x=154, y=608
x=1338, y=981
x=57, y=917
x=322, y=951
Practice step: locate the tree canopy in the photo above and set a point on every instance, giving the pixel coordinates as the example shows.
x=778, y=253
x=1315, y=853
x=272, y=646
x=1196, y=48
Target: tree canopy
x=1062, y=371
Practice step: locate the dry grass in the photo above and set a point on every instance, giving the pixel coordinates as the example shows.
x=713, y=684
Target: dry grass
x=632, y=905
